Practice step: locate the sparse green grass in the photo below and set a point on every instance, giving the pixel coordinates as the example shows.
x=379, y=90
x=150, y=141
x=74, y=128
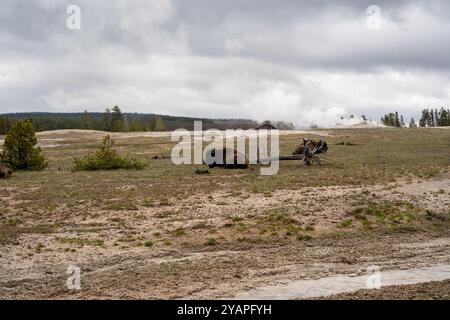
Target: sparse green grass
x=373, y=160
x=9, y=234
x=148, y=244
x=82, y=241
x=60, y=196
x=179, y=232
x=201, y=225
x=236, y=219
x=211, y=242
x=13, y=222
x=380, y=156
x=346, y=223
x=302, y=237
x=148, y=203
x=385, y=214
x=292, y=229
x=273, y=223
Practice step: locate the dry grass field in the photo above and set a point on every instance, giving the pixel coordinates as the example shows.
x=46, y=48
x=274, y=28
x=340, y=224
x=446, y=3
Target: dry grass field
x=382, y=197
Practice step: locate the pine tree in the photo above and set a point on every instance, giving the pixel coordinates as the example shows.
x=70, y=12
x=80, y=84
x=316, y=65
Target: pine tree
x=444, y=118
x=156, y=124
x=9, y=125
x=397, y=120
x=20, y=151
x=2, y=125
x=386, y=120
x=440, y=117
x=5, y=125
x=126, y=124
x=106, y=121
x=134, y=125
x=412, y=123
x=137, y=125
x=425, y=119
x=389, y=120
x=445, y=114
x=117, y=124
x=402, y=121
x=86, y=122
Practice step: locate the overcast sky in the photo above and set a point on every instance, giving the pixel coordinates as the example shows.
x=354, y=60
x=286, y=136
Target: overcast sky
x=300, y=61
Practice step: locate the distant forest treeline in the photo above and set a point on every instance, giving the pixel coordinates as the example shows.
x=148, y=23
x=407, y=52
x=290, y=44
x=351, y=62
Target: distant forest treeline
x=429, y=118
x=115, y=121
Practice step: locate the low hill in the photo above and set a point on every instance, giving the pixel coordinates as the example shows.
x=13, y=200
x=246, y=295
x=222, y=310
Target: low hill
x=45, y=121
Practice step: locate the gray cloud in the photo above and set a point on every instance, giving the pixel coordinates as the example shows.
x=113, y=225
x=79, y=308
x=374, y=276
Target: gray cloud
x=302, y=61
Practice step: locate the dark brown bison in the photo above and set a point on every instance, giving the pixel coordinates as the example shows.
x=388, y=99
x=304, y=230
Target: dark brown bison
x=229, y=158
x=5, y=172
x=316, y=147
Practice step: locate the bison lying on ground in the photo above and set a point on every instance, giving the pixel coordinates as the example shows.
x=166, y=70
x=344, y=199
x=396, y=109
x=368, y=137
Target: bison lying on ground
x=5, y=172
x=230, y=159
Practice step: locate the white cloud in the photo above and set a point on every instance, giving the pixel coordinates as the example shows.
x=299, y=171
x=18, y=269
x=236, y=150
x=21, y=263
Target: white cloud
x=304, y=62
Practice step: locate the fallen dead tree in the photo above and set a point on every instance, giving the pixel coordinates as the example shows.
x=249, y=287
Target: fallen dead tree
x=308, y=152
x=315, y=147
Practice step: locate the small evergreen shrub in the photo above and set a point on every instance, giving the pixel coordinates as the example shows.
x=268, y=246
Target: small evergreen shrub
x=106, y=158
x=20, y=151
